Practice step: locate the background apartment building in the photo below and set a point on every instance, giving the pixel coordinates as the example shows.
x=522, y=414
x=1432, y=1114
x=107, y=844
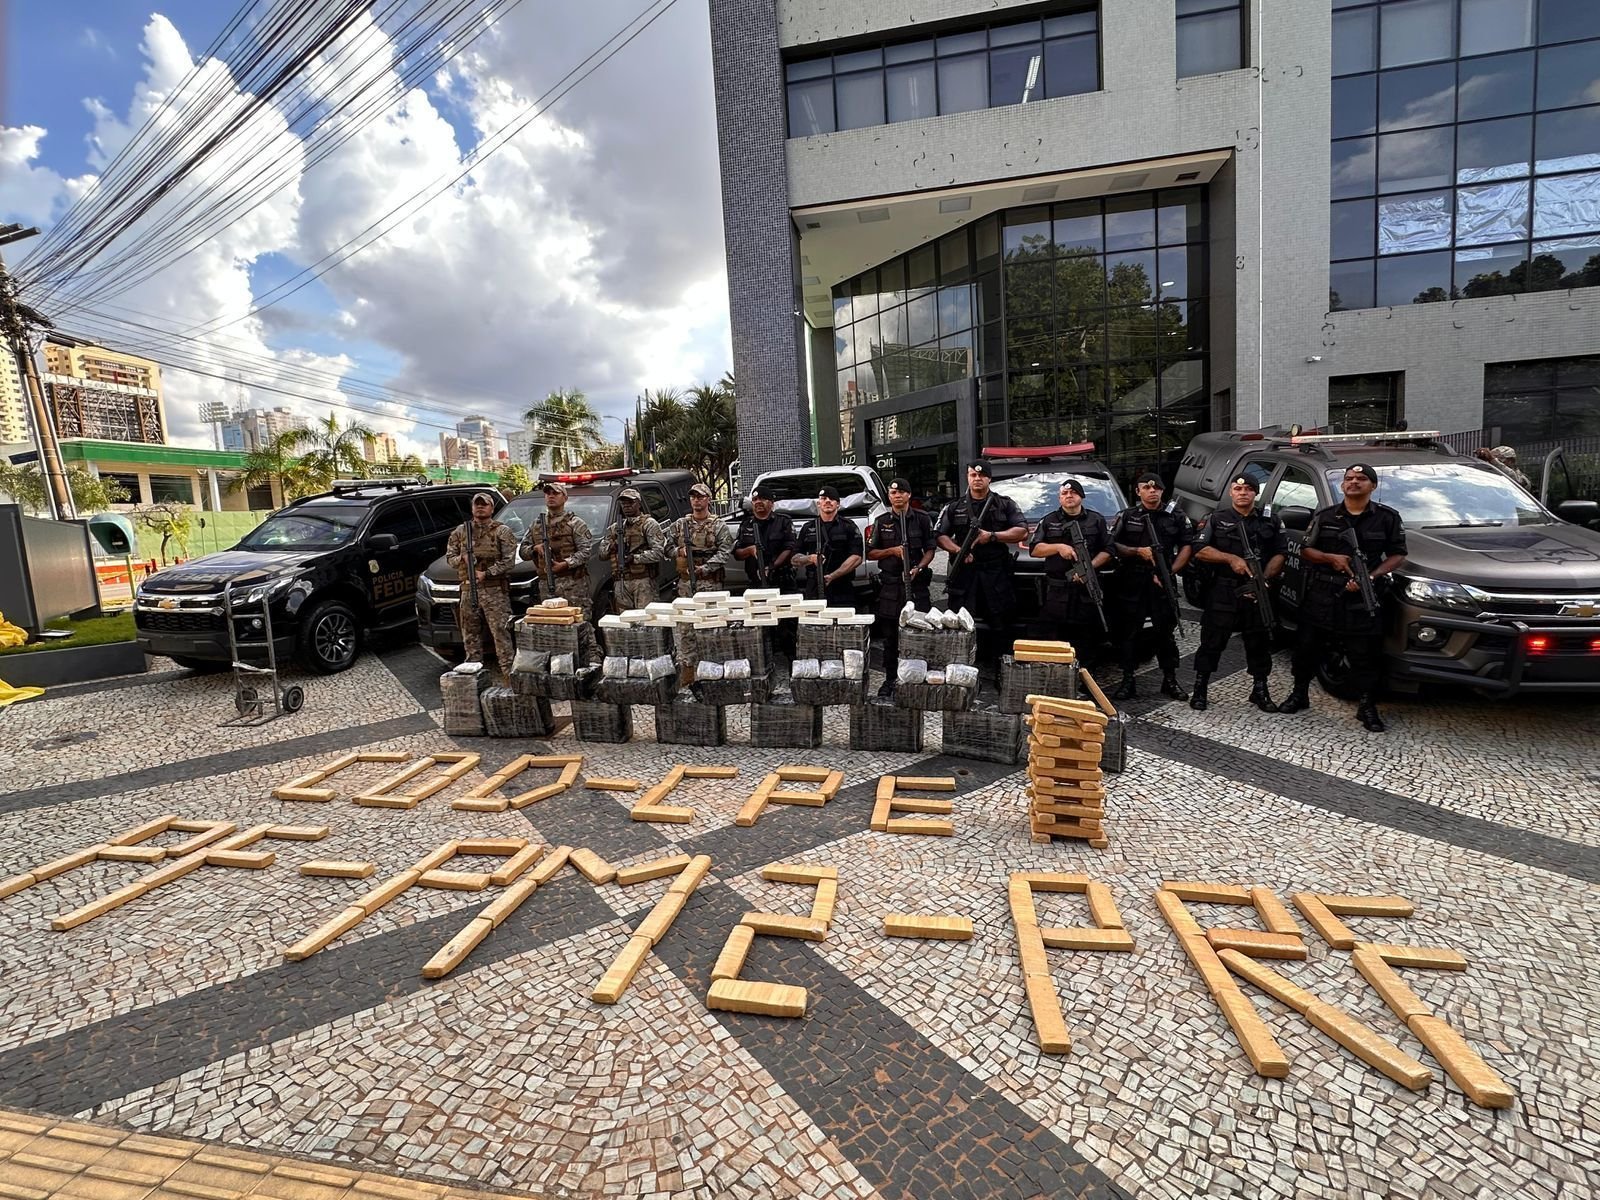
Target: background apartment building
x=93, y=392
x=13, y=402
x=959, y=223
x=252, y=429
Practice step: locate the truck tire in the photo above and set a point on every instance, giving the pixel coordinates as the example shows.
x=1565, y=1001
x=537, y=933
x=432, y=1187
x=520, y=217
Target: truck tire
x=1333, y=673
x=330, y=637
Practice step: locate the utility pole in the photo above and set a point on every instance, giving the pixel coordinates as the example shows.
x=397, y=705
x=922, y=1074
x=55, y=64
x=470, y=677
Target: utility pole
x=15, y=319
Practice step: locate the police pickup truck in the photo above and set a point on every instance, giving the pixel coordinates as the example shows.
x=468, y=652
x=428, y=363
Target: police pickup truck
x=1499, y=593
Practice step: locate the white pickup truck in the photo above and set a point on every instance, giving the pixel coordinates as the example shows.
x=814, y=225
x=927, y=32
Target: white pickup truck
x=862, y=497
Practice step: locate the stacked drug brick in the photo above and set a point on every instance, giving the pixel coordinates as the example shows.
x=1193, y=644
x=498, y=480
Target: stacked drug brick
x=1066, y=787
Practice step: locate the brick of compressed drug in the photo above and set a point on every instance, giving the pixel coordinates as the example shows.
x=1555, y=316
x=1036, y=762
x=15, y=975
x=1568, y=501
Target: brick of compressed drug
x=1461, y=1062
x=662, y=814
x=823, y=903
x=1102, y=908
x=710, y=772
x=250, y=860
x=1258, y=944
x=1370, y=1047
x=503, y=905
x=621, y=971
x=656, y=869
x=455, y=881
x=805, y=799
x=734, y=951
x=387, y=890
x=793, y=774
x=1086, y=939
x=1260, y=1047
x=661, y=917
x=1367, y=906
x=784, y=925
x=551, y=865
x=592, y=867
x=512, y=869
x=1207, y=893
x=1053, y=881
x=140, y=833
x=134, y=854
x=1332, y=930
x=925, y=783
x=1260, y=975
x=797, y=873
x=323, y=934
x=611, y=785
x=298, y=833
x=328, y=868
x=1050, y=1027
x=909, y=925
x=437, y=858
x=928, y=828
x=491, y=845
x=915, y=804
x=1432, y=958
x=452, y=953
x=1402, y=1001
x=691, y=876
x=759, y=999
x=1272, y=912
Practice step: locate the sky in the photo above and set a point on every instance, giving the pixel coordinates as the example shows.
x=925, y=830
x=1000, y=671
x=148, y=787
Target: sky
x=585, y=254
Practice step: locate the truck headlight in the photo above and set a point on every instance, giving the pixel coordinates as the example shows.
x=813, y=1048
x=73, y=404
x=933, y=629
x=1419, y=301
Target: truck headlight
x=1442, y=593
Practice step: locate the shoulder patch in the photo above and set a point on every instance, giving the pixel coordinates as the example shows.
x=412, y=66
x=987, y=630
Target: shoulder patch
x=1172, y=506
x=1266, y=511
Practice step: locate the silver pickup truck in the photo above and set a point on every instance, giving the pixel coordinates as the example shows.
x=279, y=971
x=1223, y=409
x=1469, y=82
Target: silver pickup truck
x=862, y=494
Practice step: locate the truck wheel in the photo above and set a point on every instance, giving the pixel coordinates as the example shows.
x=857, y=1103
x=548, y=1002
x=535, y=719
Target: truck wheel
x=330, y=637
x=1334, y=675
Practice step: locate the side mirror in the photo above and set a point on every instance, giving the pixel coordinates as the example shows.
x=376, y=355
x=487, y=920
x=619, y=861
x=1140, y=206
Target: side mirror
x=1579, y=512
x=383, y=541
x=1296, y=518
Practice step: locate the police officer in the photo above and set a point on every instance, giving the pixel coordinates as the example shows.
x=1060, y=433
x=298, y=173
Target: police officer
x=703, y=545
x=981, y=581
x=901, y=543
x=1068, y=610
x=1140, y=591
x=838, y=543
x=1332, y=612
x=571, y=542
x=765, y=542
x=482, y=552
x=644, y=545
x=1231, y=605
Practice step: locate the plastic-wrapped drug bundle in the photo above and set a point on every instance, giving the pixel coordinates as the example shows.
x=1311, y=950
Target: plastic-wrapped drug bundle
x=832, y=668
x=966, y=621
x=708, y=670
x=961, y=675
x=912, y=670
x=738, y=668
x=855, y=663
x=660, y=668
x=910, y=618
x=805, y=668
x=530, y=662
x=638, y=668
x=614, y=667
x=934, y=679
x=561, y=664
x=950, y=620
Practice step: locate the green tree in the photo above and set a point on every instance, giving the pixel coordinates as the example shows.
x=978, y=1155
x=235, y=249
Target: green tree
x=330, y=450
x=277, y=462
x=515, y=479
x=173, y=521
x=607, y=456
x=23, y=484
x=706, y=440
x=660, y=413
x=90, y=493
x=564, y=425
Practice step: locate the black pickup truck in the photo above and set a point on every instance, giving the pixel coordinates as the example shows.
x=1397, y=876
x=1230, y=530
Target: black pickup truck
x=591, y=495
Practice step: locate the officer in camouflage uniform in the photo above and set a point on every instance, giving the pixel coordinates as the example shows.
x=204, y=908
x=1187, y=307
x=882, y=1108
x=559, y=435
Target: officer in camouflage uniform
x=703, y=546
x=571, y=543
x=643, y=544
x=485, y=583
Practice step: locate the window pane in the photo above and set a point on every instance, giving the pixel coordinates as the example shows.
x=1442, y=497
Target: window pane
x=1414, y=279
x=1355, y=41
x=1569, y=75
x=1566, y=204
x=1497, y=87
x=1355, y=106
x=963, y=43
x=1491, y=270
x=1354, y=168
x=963, y=84
x=860, y=60
x=911, y=92
x=841, y=310
x=1027, y=233
x=1072, y=65
x=1354, y=228
x=955, y=260
x=922, y=316
x=1495, y=212
x=1420, y=221
x=892, y=326
x=908, y=52
x=1131, y=332
x=1208, y=43
x=811, y=107
x=1131, y=277
x=1493, y=149
x=1418, y=96
x=1177, y=217
x=1130, y=223
x=1579, y=259
x=1569, y=141
x=988, y=299
x=988, y=237
x=955, y=310
x=1028, y=289
x=1179, y=273
x=892, y=280
x=1416, y=31
x=1350, y=285
x=1016, y=74
x=814, y=68
x=1080, y=287
x=1077, y=228
x=1568, y=20
x=1420, y=158
x=860, y=99
x=1490, y=25
x=1011, y=35
x=1180, y=327
x=1084, y=22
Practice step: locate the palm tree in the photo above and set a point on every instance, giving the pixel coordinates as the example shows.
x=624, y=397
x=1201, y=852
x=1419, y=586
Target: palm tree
x=660, y=415
x=278, y=462
x=706, y=441
x=333, y=448
x=565, y=424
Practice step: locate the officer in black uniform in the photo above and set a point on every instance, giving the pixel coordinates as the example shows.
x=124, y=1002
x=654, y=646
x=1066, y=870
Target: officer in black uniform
x=1332, y=612
x=838, y=543
x=981, y=582
x=901, y=543
x=1139, y=591
x=765, y=537
x=1231, y=605
x=1068, y=612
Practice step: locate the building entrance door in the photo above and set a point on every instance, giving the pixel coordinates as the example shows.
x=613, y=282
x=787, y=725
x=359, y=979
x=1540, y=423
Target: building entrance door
x=932, y=472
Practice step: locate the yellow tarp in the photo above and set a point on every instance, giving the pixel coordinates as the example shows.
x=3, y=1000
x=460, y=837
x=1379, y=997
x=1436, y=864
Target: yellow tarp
x=10, y=695
x=11, y=635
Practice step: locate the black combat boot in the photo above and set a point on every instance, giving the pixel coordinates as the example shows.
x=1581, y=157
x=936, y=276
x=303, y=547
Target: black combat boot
x=886, y=691
x=1128, y=689
x=1298, y=699
x=1169, y=687
x=1198, y=700
x=1261, y=698
x=1367, y=714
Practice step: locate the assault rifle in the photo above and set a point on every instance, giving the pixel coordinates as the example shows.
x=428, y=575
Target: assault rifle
x=688, y=554
x=1084, y=566
x=1163, y=568
x=1359, y=572
x=761, y=549
x=549, y=566
x=471, y=579
x=1258, y=576
x=620, y=533
x=959, y=558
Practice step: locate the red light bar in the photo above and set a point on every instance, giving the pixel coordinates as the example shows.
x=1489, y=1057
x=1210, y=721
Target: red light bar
x=1594, y=645
x=1037, y=451
x=586, y=476
x=1538, y=645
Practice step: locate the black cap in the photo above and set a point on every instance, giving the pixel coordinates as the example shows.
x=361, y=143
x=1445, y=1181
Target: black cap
x=899, y=484
x=1149, y=477
x=828, y=493
x=1362, y=469
x=762, y=492
x=1072, y=485
x=982, y=468
x=1246, y=480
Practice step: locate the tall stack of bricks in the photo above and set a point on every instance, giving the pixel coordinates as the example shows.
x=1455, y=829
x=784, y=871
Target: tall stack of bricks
x=1066, y=788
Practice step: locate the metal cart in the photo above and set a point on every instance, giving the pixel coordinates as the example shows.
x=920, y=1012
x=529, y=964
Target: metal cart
x=257, y=696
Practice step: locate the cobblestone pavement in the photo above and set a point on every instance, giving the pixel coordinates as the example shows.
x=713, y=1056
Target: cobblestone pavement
x=915, y=1073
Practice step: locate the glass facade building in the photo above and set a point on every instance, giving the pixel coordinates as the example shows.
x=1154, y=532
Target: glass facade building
x=1466, y=149
x=1077, y=321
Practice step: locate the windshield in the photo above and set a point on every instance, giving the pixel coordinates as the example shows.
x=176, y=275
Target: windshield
x=805, y=487
x=1451, y=495
x=1039, y=495
x=593, y=510
x=315, y=528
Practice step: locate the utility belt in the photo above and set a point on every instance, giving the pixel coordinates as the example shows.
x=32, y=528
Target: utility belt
x=638, y=573
x=683, y=568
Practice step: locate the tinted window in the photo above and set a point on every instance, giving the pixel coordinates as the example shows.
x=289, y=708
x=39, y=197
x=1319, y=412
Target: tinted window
x=1039, y=495
x=655, y=501
x=312, y=527
x=447, y=510
x=399, y=518
x=1296, y=489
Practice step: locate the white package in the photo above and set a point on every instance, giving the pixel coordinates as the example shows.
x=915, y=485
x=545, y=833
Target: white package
x=912, y=670
x=561, y=664
x=805, y=668
x=614, y=667
x=736, y=668
x=855, y=662
x=708, y=670
x=961, y=675
x=638, y=669
x=935, y=679
x=967, y=623
x=832, y=668
x=660, y=668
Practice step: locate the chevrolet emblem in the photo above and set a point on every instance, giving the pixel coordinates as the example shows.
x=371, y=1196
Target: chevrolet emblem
x=1584, y=609
x=167, y=602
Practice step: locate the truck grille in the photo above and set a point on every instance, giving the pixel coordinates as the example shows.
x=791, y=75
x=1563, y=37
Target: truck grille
x=177, y=621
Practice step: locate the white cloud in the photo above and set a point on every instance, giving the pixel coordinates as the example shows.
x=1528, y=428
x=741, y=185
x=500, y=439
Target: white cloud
x=32, y=194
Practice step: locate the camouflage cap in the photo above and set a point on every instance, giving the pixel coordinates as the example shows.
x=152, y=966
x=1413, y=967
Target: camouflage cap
x=699, y=489
x=482, y=498
x=630, y=494
x=1509, y=453
x=550, y=485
